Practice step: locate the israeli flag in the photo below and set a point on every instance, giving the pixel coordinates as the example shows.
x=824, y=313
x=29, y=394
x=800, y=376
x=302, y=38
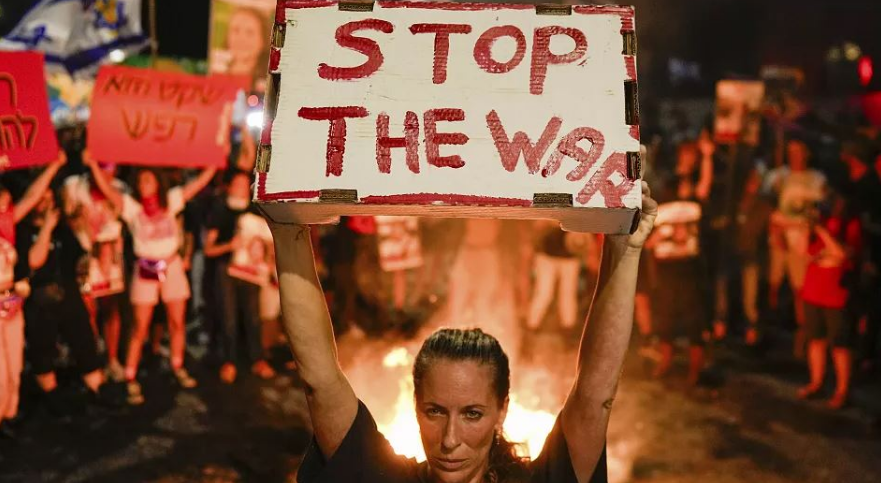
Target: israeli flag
x=78, y=35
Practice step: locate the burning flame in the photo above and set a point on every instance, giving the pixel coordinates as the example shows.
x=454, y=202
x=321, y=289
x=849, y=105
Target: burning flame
x=529, y=427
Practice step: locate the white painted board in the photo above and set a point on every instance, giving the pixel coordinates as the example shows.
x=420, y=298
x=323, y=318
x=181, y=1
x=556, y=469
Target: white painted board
x=573, y=118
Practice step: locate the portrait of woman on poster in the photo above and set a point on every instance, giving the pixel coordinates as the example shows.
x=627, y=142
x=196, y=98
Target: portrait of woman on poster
x=245, y=49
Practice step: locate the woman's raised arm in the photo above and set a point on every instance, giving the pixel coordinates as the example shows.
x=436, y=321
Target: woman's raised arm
x=103, y=181
x=585, y=415
x=332, y=401
x=35, y=191
x=193, y=188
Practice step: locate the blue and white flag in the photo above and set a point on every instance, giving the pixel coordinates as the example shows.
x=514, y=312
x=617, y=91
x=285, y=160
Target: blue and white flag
x=78, y=35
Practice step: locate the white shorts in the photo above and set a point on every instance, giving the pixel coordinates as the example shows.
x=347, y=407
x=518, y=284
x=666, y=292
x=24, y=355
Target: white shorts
x=174, y=287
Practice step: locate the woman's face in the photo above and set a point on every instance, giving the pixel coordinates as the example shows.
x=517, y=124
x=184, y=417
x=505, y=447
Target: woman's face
x=459, y=415
x=148, y=185
x=245, y=38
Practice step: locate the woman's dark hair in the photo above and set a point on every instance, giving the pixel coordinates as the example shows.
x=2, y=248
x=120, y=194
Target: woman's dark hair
x=505, y=466
x=162, y=185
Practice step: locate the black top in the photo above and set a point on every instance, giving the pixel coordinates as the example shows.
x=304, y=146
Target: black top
x=65, y=253
x=365, y=456
x=225, y=220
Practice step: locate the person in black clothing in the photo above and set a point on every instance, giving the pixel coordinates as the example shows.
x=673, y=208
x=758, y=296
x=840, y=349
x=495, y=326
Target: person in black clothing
x=461, y=380
x=51, y=255
x=235, y=296
x=863, y=165
x=679, y=297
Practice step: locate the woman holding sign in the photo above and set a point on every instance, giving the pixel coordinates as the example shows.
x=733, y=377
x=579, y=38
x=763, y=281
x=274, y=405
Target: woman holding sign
x=159, y=273
x=13, y=291
x=461, y=380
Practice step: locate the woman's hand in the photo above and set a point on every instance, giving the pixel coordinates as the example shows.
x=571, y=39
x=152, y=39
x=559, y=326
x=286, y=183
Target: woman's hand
x=22, y=288
x=637, y=239
x=61, y=160
x=88, y=160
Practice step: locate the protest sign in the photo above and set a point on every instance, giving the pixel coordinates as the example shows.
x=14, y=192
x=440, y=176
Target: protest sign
x=27, y=137
x=253, y=260
x=452, y=109
x=239, y=40
x=677, y=226
x=400, y=246
x=106, y=270
x=737, y=111
x=164, y=119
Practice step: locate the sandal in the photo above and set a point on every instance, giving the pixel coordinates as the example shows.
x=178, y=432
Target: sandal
x=838, y=401
x=135, y=397
x=184, y=379
x=808, y=392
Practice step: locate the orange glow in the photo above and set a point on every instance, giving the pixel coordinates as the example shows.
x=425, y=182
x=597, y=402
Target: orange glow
x=530, y=427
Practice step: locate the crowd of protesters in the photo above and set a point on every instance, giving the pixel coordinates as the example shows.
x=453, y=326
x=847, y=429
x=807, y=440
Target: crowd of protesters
x=756, y=239
x=789, y=227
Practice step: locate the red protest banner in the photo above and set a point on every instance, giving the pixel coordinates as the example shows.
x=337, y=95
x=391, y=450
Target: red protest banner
x=151, y=118
x=27, y=137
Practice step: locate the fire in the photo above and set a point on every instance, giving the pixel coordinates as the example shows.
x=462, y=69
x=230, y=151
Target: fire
x=529, y=427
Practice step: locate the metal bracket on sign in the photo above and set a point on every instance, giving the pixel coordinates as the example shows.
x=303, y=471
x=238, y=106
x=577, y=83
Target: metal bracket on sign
x=355, y=6
x=338, y=196
x=631, y=103
x=636, y=217
x=264, y=156
x=551, y=200
x=278, y=35
x=553, y=9
x=634, y=165
x=629, y=37
x=270, y=100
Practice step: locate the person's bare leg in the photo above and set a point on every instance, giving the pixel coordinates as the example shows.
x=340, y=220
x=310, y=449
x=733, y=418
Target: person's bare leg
x=816, y=368
x=143, y=316
x=156, y=338
x=399, y=288
x=112, y=328
x=177, y=331
x=92, y=308
x=666, y=349
x=543, y=292
x=842, y=360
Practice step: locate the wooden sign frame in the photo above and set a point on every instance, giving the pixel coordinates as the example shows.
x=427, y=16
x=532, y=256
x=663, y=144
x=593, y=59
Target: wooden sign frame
x=617, y=213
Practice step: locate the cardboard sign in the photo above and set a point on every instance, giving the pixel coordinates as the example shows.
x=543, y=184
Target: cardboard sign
x=400, y=245
x=27, y=137
x=239, y=39
x=150, y=118
x=677, y=230
x=253, y=262
x=453, y=109
x=737, y=111
x=106, y=271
